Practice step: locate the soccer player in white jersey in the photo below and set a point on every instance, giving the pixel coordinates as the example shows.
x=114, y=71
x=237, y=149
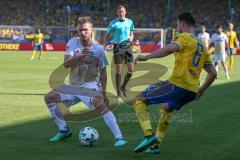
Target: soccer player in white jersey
x=204, y=36
x=88, y=79
x=220, y=41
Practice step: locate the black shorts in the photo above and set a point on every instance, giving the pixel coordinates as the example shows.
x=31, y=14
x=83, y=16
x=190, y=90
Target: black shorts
x=122, y=53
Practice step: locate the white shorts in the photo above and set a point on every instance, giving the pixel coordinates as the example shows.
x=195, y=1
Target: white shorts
x=71, y=94
x=219, y=57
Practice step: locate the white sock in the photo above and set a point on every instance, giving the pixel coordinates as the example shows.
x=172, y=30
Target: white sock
x=226, y=70
x=216, y=67
x=57, y=116
x=110, y=120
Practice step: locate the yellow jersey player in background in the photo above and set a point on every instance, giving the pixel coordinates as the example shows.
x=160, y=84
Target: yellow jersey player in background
x=233, y=41
x=38, y=44
x=191, y=57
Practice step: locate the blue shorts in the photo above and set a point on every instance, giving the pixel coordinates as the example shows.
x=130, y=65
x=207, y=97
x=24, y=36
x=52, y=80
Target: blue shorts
x=166, y=92
x=231, y=51
x=37, y=47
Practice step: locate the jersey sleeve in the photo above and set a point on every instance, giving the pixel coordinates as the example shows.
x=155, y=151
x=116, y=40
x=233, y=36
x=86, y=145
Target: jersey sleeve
x=70, y=48
x=102, y=58
x=181, y=41
x=110, y=27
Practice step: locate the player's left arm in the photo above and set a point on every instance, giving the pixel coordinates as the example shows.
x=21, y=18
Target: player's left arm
x=211, y=76
x=131, y=32
x=103, y=73
x=236, y=42
x=103, y=80
x=131, y=36
x=42, y=38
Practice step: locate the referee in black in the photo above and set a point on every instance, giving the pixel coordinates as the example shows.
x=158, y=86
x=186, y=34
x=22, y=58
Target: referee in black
x=121, y=29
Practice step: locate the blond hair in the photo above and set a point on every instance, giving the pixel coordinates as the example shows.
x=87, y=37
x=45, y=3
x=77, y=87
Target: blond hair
x=84, y=20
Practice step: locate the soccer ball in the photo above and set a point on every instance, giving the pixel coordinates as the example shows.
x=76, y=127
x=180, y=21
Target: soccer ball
x=88, y=136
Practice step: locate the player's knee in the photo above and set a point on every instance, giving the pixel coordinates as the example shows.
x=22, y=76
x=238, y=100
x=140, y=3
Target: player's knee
x=165, y=107
x=130, y=73
x=130, y=70
x=118, y=69
x=51, y=97
x=98, y=101
x=140, y=97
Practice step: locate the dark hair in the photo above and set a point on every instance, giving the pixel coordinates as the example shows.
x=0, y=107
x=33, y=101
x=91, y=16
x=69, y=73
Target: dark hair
x=187, y=18
x=121, y=6
x=219, y=26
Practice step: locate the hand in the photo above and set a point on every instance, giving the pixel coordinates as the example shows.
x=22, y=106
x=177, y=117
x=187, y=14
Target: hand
x=130, y=39
x=106, y=100
x=199, y=95
x=85, y=50
x=140, y=58
x=104, y=46
x=81, y=56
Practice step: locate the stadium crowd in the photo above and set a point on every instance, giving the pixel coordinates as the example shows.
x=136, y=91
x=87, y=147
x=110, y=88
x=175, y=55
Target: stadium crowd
x=145, y=13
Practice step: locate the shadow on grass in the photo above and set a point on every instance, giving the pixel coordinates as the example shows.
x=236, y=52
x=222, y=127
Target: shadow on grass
x=213, y=134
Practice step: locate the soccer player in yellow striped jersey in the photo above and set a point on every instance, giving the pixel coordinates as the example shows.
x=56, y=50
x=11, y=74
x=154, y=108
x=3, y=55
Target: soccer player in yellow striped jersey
x=38, y=44
x=191, y=57
x=233, y=41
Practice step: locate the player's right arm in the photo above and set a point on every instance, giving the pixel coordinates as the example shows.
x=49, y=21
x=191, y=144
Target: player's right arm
x=227, y=44
x=173, y=47
x=109, y=34
x=106, y=39
x=236, y=42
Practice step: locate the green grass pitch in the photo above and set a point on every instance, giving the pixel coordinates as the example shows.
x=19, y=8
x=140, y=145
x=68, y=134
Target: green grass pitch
x=207, y=129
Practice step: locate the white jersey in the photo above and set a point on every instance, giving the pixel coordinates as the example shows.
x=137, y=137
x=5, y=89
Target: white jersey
x=205, y=38
x=219, y=42
x=88, y=69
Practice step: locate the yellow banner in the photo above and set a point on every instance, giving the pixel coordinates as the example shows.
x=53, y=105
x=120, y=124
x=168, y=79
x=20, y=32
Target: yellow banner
x=9, y=46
